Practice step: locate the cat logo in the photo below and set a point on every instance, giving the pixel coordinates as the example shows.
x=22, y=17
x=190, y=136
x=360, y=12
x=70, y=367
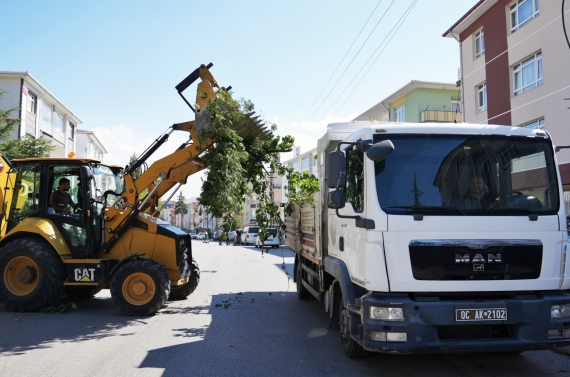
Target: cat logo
x=84, y=274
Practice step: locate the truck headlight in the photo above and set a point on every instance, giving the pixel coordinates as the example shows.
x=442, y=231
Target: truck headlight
x=387, y=314
x=560, y=311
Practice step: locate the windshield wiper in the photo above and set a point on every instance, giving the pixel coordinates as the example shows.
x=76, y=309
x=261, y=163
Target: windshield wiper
x=433, y=208
x=533, y=216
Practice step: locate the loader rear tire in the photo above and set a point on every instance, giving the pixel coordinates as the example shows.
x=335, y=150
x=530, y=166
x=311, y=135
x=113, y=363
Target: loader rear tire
x=140, y=287
x=80, y=292
x=180, y=293
x=32, y=275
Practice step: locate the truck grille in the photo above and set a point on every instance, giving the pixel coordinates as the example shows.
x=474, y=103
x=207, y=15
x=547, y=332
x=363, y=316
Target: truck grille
x=476, y=259
x=474, y=332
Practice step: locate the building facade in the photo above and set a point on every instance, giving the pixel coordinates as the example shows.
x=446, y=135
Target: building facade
x=88, y=145
x=514, y=64
x=41, y=114
x=418, y=102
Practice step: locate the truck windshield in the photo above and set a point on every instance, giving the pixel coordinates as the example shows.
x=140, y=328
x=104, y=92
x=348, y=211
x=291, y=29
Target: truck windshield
x=467, y=175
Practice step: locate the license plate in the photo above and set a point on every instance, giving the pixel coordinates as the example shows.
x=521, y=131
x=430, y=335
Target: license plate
x=487, y=314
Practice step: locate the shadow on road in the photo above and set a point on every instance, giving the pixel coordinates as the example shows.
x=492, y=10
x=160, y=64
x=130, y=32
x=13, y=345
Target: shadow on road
x=275, y=334
x=93, y=319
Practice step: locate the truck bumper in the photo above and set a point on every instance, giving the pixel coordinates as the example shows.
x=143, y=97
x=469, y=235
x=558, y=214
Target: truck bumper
x=431, y=325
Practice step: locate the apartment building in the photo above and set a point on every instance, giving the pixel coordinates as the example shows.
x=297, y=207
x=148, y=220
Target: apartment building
x=418, y=102
x=88, y=145
x=514, y=64
x=41, y=114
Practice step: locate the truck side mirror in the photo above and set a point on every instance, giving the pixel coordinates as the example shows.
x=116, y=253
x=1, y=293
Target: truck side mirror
x=336, y=169
x=380, y=151
x=336, y=199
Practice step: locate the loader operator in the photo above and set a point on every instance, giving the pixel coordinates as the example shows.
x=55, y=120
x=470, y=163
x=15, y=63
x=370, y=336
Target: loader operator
x=61, y=200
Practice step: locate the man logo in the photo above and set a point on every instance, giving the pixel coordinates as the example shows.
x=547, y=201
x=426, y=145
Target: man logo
x=478, y=258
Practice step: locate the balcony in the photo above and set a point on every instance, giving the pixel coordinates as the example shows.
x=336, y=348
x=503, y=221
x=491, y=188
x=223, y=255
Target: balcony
x=440, y=116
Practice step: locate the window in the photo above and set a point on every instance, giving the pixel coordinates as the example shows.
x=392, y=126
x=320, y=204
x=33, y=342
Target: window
x=32, y=103
x=456, y=104
x=46, y=113
x=296, y=165
x=479, y=43
x=58, y=122
x=539, y=123
x=306, y=163
x=522, y=12
x=400, y=113
x=482, y=96
x=355, y=180
x=528, y=74
x=70, y=130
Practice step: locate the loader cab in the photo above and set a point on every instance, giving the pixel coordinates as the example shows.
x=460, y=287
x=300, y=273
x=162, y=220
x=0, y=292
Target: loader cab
x=80, y=224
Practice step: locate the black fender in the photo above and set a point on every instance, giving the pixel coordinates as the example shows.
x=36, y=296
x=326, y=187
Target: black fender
x=123, y=261
x=337, y=269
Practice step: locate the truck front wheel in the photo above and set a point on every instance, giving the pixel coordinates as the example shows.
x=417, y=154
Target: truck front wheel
x=140, y=287
x=350, y=347
x=32, y=275
x=180, y=293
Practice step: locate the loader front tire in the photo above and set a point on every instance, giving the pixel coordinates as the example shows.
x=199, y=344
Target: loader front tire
x=140, y=287
x=180, y=293
x=32, y=275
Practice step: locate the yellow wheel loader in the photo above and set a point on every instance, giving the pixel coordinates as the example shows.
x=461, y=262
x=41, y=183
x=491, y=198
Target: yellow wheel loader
x=112, y=239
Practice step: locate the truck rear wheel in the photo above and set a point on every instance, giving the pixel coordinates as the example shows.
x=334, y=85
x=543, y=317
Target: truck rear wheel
x=140, y=287
x=180, y=293
x=32, y=275
x=302, y=292
x=350, y=347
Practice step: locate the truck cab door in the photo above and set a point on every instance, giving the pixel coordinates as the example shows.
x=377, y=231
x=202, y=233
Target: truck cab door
x=352, y=238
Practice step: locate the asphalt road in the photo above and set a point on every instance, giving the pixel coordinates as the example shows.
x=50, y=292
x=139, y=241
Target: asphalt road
x=243, y=320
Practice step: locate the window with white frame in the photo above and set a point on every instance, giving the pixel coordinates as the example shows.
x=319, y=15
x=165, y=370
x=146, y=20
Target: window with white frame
x=32, y=103
x=482, y=97
x=58, y=122
x=456, y=104
x=296, y=166
x=539, y=123
x=527, y=74
x=400, y=113
x=522, y=12
x=46, y=112
x=479, y=43
x=306, y=163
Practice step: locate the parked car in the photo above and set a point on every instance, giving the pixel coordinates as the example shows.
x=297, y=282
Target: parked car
x=216, y=235
x=202, y=236
x=272, y=239
x=249, y=235
x=232, y=235
x=194, y=236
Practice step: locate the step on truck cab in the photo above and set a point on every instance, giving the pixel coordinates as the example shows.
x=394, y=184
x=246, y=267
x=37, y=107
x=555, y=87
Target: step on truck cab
x=428, y=238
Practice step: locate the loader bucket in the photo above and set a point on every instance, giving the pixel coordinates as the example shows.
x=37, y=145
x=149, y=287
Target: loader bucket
x=252, y=129
x=206, y=92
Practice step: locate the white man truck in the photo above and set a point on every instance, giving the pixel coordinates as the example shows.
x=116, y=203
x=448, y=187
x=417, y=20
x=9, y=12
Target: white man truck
x=428, y=238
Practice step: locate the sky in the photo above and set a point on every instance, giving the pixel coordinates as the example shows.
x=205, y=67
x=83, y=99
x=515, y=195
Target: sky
x=304, y=64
